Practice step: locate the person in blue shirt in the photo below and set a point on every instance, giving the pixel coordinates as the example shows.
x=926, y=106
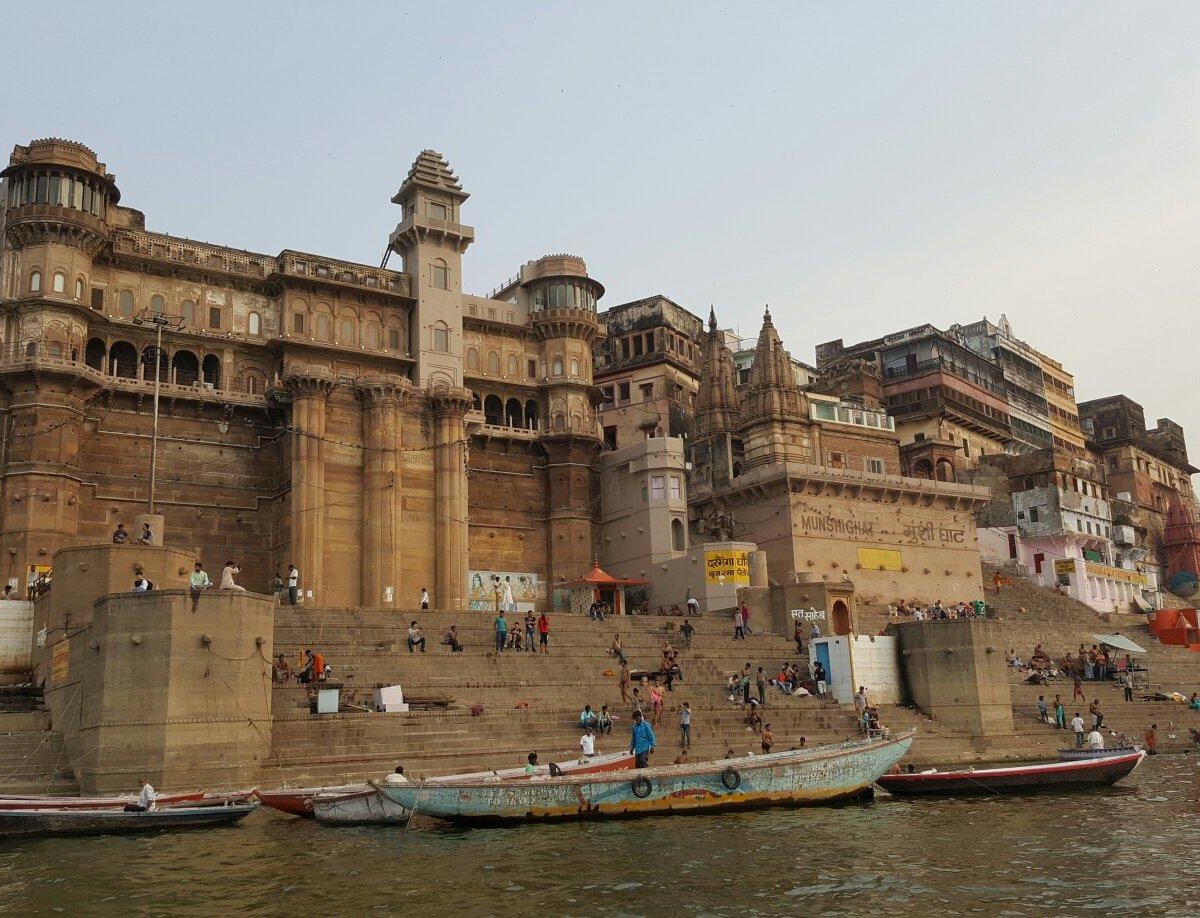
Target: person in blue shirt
x=642, y=742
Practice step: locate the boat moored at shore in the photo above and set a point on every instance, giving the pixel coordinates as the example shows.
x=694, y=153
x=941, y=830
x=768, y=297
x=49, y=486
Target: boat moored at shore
x=823, y=774
x=1016, y=779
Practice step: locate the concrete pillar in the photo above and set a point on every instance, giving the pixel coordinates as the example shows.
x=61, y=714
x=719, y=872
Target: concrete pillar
x=309, y=387
x=570, y=549
x=383, y=399
x=450, y=405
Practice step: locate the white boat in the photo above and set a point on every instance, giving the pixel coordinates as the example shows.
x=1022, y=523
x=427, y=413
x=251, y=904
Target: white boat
x=367, y=806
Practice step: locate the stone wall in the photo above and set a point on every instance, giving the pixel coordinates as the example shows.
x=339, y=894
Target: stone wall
x=954, y=672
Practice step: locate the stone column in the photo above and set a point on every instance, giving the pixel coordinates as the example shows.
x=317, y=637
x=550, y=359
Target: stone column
x=570, y=550
x=450, y=405
x=309, y=387
x=383, y=399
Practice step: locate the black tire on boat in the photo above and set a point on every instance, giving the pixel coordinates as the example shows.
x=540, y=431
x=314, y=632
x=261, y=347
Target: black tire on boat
x=731, y=778
x=641, y=787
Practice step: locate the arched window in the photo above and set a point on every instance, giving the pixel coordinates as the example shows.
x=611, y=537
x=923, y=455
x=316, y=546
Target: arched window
x=493, y=410
x=493, y=363
x=254, y=324
x=439, y=275
x=189, y=312
x=678, y=536
x=472, y=359
x=35, y=282
x=79, y=288
x=324, y=327
x=374, y=334
x=56, y=349
x=298, y=323
x=531, y=415
x=123, y=359
x=60, y=282
x=254, y=383
x=30, y=349
x=157, y=304
x=211, y=370
x=512, y=365
x=125, y=302
x=185, y=367
x=557, y=367
x=560, y=421
x=94, y=354
x=574, y=366
x=164, y=365
x=512, y=413
x=441, y=338
x=347, y=332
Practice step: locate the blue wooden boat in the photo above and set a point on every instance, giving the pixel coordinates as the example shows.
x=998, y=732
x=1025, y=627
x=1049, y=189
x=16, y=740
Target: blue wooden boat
x=14, y=823
x=1078, y=753
x=823, y=774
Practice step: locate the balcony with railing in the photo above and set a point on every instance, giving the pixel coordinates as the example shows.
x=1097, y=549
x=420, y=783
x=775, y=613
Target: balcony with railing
x=342, y=273
x=168, y=250
x=940, y=364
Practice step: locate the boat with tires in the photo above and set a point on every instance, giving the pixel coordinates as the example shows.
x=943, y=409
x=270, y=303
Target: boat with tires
x=1017, y=779
x=370, y=807
x=31, y=822
x=822, y=774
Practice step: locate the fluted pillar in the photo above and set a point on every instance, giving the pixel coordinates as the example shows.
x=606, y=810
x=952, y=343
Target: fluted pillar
x=309, y=387
x=383, y=399
x=450, y=406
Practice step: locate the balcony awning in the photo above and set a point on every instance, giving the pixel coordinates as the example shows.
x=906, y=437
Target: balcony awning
x=1121, y=643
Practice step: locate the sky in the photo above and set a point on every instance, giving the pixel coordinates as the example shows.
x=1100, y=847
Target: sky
x=861, y=167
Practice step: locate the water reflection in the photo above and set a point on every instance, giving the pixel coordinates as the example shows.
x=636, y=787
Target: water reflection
x=1125, y=850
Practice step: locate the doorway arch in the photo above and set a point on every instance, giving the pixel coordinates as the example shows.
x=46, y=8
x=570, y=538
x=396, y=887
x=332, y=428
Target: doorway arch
x=840, y=617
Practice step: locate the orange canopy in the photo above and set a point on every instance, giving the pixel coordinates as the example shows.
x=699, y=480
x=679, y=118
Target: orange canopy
x=597, y=577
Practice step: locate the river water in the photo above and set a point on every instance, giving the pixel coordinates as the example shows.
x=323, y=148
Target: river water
x=1123, y=850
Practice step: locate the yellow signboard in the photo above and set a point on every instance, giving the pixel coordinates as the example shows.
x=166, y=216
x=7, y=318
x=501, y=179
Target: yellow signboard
x=1064, y=567
x=60, y=662
x=880, y=559
x=1115, y=573
x=727, y=567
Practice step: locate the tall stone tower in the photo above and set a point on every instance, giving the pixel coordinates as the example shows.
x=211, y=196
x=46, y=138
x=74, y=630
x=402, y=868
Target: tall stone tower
x=431, y=240
x=563, y=314
x=714, y=446
x=57, y=199
x=775, y=422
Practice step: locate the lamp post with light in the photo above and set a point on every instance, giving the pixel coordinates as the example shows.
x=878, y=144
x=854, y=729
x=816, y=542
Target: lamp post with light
x=159, y=320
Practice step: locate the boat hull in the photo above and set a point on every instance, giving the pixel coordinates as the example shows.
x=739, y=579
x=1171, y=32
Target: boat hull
x=22, y=823
x=1078, y=753
x=821, y=775
x=90, y=803
x=370, y=807
x=298, y=801
x=1021, y=779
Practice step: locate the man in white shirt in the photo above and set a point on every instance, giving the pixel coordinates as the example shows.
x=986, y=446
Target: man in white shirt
x=587, y=743
x=293, y=585
x=396, y=777
x=145, y=802
x=1095, y=740
x=1077, y=728
x=509, y=604
x=693, y=606
x=424, y=598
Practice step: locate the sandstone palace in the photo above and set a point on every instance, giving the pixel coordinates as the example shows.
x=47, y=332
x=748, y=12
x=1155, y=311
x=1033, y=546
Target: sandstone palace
x=380, y=429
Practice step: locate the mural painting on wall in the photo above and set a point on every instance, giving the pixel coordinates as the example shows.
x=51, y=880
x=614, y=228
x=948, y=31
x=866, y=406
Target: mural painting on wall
x=483, y=586
x=727, y=567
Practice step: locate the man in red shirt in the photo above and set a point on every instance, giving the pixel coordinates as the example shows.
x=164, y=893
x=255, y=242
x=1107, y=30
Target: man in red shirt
x=543, y=627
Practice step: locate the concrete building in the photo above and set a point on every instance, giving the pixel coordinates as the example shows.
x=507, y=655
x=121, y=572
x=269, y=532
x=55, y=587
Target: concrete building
x=647, y=370
x=381, y=429
x=1146, y=470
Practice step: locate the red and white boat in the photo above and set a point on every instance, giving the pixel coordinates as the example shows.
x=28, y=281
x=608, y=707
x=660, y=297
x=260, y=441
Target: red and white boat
x=297, y=801
x=1017, y=779
x=47, y=802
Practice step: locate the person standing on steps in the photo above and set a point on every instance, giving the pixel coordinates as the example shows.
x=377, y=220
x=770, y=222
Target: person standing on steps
x=501, y=632
x=293, y=585
x=1060, y=713
x=641, y=741
x=1097, y=714
x=761, y=685
x=1078, y=693
x=1077, y=728
x=277, y=585
x=1043, y=711
x=509, y=605
x=625, y=682
x=530, y=628
x=1127, y=685
x=1152, y=739
x=424, y=599
x=543, y=627
x=685, y=727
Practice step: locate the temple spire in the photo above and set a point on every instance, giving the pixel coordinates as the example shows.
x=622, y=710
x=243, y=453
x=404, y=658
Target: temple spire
x=716, y=401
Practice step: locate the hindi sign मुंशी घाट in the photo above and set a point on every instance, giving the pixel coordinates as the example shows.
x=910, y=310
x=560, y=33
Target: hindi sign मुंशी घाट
x=727, y=567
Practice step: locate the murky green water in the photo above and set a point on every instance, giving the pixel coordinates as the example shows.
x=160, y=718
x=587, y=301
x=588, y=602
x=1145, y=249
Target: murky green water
x=1124, y=851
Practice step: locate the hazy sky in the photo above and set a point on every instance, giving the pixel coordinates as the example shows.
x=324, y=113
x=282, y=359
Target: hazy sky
x=861, y=167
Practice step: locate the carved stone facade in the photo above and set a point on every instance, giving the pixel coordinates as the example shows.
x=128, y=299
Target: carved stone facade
x=379, y=429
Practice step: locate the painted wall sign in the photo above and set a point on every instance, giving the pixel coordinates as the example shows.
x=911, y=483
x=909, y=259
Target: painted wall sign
x=481, y=596
x=880, y=559
x=727, y=567
x=60, y=662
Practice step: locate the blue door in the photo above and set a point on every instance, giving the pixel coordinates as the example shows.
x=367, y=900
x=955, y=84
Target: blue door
x=821, y=655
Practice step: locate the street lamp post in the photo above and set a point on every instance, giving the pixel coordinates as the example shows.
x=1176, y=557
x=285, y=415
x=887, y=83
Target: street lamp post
x=160, y=321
